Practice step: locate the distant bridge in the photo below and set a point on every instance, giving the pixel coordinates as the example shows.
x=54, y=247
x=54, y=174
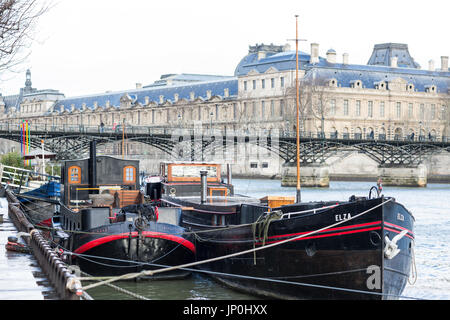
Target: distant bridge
x=72, y=141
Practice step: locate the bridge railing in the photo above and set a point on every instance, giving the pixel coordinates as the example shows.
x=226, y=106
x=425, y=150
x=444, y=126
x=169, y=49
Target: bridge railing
x=152, y=130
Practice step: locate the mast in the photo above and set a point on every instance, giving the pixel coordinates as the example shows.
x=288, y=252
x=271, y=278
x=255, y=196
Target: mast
x=298, y=197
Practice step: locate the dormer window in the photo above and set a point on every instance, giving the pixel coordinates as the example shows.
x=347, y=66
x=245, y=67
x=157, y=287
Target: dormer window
x=381, y=85
x=356, y=84
x=332, y=83
x=430, y=88
x=410, y=87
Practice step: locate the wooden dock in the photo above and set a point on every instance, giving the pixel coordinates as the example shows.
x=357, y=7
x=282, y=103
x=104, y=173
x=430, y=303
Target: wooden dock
x=21, y=278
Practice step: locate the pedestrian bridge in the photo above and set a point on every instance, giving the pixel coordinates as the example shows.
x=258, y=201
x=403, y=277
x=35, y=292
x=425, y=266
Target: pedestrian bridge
x=72, y=141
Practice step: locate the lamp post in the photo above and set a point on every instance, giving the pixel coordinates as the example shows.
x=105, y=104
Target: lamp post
x=211, y=114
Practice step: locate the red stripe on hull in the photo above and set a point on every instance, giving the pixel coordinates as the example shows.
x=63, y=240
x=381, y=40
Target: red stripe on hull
x=327, y=230
x=328, y=235
x=148, y=234
x=397, y=226
x=396, y=231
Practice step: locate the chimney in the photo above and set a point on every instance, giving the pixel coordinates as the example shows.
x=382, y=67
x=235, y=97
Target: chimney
x=331, y=56
x=431, y=65
x=345, y=58
x=226, y=92
x=138, y=85
x=444, y=63
x=394, y=62
x=261, y=55
x=161, y=99
x=314, y=53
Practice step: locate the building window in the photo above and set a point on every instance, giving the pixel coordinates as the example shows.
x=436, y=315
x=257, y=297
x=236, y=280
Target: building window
x=398, y=109
x=199, y=113
x=129, y=174
x=217, y=112
x=254, y=108
x=263, y=107
x=245, y=85
x=265, y=165
x=433, y=111
x=382, y=109
x=253, y=165
x=281, y=107
x=74, y=175
x=333, y=107
x=422, y=111
x=272, y=83
x=263, y=83
x=282, y=82
x=244, y=112
x=272, y=108
x=370, y=109
x=410, y=110
x=234, y=111
x=254, y=84
x=345, y=107
x=358, y=108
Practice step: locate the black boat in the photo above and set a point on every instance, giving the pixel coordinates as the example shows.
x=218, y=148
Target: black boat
x=104, y=226
x=355, y=249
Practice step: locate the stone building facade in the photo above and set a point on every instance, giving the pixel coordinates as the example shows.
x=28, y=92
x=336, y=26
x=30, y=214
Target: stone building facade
x=390, y=97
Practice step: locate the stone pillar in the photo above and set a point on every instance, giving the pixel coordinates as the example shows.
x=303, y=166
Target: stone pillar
x=310, y=176
x=403, y=176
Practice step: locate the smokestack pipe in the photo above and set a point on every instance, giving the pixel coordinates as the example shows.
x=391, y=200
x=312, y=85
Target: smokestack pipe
x=93, y=164
x=204, y=186
x=229, y=174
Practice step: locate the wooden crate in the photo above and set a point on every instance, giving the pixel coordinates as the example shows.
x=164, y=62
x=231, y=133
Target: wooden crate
x=277, y=201
x=123, y=198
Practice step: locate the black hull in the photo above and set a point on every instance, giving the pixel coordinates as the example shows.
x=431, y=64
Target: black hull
x=344, y=262
x=117, y=249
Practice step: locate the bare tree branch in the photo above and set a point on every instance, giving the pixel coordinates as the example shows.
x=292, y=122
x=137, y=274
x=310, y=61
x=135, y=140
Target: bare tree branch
x=18, y=18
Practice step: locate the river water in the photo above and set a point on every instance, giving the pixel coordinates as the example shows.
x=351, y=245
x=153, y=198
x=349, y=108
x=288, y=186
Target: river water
x=430, y=207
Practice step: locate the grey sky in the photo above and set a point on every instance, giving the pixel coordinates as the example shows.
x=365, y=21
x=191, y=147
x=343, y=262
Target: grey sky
x=92, y=46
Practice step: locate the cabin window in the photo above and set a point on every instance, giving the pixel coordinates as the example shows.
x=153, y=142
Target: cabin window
x=129, y=174
x=74, y=174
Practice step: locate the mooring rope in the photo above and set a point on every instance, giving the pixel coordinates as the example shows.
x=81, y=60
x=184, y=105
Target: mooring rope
x=276, y=280
x=171, y=268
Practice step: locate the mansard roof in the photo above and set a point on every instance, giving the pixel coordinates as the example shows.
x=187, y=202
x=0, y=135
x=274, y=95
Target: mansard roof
x=371, y=75
x=382, y=54
x=199, y=89
x=378, y=69
x=281, y=61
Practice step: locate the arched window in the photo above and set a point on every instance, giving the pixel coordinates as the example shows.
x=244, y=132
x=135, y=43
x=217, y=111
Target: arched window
x=74, y=175
x=129, y=174
x=398, y=134
x=358, y=133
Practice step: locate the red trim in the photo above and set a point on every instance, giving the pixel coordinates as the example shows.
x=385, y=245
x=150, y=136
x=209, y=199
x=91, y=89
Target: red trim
x=396, y=231
x=91, y=244
x=327, y=230
x=397, y=226
x=329, y=235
